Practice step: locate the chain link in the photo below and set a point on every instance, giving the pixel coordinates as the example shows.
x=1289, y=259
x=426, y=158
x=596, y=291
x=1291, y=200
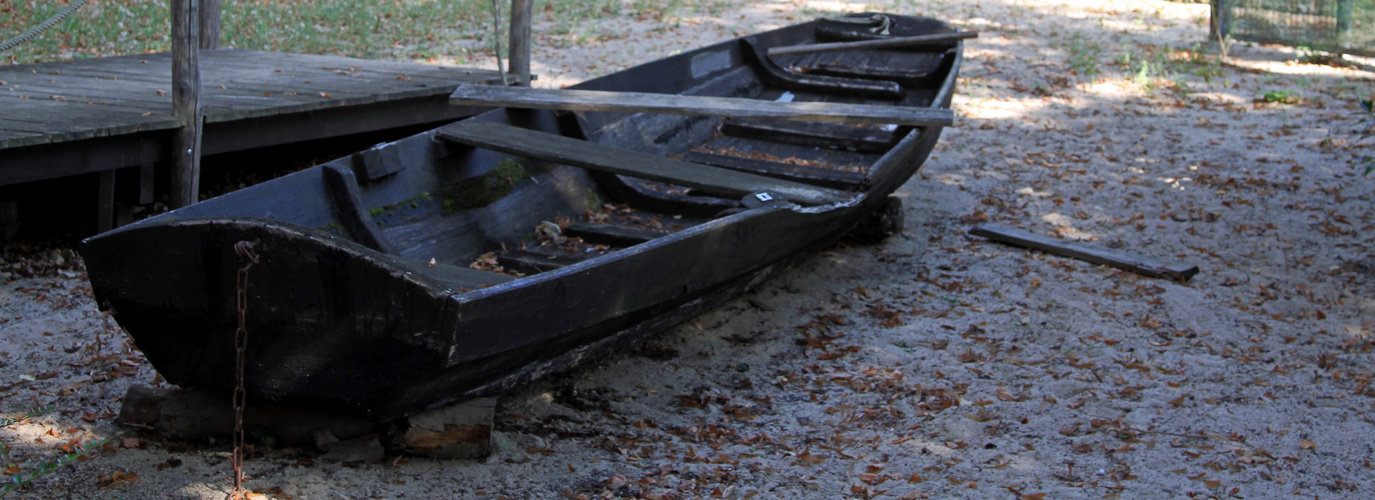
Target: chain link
x=245, y=250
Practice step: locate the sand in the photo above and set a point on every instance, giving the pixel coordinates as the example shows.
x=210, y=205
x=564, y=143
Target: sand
x=935, y=364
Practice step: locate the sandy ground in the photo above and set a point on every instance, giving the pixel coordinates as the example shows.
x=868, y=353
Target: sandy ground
x=933, y=365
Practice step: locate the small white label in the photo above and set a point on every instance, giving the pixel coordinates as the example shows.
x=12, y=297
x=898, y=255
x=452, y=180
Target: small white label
x=764, y=197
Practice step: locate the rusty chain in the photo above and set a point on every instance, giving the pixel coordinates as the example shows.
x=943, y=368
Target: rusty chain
x=245, y=250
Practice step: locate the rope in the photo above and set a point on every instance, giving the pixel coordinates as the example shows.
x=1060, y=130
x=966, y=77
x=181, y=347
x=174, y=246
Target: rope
x=43, y=26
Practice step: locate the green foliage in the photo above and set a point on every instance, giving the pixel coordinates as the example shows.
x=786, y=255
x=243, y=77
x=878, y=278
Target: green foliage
x=1083, y=55
x=1286, y=96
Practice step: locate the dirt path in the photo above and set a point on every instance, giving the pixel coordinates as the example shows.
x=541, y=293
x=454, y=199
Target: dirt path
x=935, y=364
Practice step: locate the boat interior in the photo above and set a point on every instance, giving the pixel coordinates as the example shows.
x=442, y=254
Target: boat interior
x=514, y=193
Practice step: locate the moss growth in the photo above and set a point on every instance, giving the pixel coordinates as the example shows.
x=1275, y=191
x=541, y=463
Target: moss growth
x=485, y=189
x=413, y=203
x=332, y=228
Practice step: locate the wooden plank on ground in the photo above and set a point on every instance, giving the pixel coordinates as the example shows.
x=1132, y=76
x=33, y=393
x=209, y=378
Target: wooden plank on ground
x=1145, y=266
x=639, y=102
x=559, y=149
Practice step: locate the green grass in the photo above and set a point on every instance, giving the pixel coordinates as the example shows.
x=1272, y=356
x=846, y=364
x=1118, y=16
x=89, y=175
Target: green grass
x=372, y=29
x=1084, y=55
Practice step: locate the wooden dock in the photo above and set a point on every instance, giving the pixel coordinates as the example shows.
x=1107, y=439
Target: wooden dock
x=105, y=114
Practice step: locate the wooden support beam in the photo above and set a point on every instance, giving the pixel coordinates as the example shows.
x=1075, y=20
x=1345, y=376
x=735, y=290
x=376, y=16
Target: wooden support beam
x=885, y=43
x=105, y=202
x=147, y=174
x=607, y=234
x=593, y=156
x=186, y=86
x=816, y=176
x=783, y=78
x=521, y=13
x=197, y=415
x=533, y=263
x=9, y=219
x=640, y=102
x=463, y=430
x=454, y=432
x=1144, y=266
x=210, y=24
x=815, y=135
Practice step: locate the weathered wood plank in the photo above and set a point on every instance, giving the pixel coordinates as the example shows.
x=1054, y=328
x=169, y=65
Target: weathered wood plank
x=521, y=13
x=608, y=234
x=780, y=77
x=186, y=106
x=559, y=149
x=901, y=75
x=1145, y=266
x=221, y=81
x=887, y=43
x=811, y=134
x=816, y=176
x=388, y=69
x=124, y=96
x=639, y=102
x=533, y=263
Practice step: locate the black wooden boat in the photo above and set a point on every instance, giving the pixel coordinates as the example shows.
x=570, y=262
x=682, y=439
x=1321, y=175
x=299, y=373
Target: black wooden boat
x=495, y=250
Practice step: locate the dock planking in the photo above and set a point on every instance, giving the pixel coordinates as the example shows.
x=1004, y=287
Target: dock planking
x=61, y=102
x=62, y=119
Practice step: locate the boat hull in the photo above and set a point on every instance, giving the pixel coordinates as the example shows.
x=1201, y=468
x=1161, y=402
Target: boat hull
x=361, y=300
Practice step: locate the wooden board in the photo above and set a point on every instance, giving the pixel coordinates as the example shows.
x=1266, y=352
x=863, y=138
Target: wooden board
x=817, y=176
x=639, y=102
x=589, y=155
x=1145, y=266
x=59, y=102
x=815, y=135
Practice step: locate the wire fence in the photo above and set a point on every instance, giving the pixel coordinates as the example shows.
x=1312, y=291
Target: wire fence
x=1343, y=26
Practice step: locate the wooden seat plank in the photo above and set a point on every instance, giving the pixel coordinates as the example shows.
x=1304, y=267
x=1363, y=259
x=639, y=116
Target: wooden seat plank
x=532, y=262
x=609, y=234
x=593, y=156
x=817, y=176
x=639, y=102
x=810, y=134
x=780, y=77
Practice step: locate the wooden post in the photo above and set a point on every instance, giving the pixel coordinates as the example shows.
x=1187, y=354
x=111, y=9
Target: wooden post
x=105, y=201
x=186, y=86
x=9, y=219
x=521, y=12
x=210, y=24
